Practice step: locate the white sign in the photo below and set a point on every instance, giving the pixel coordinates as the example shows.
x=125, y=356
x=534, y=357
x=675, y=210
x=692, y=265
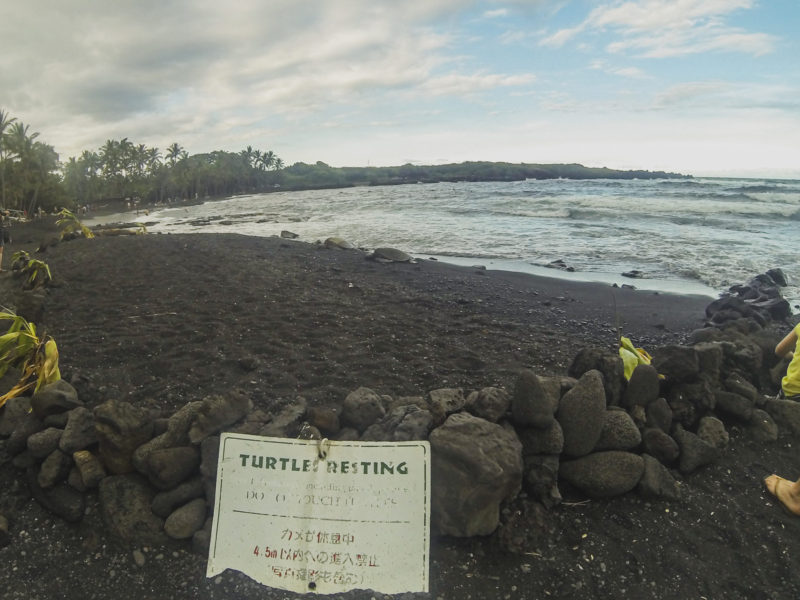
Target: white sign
x=359, y=518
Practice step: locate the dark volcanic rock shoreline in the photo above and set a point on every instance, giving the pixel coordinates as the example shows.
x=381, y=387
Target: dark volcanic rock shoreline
x=160, y=321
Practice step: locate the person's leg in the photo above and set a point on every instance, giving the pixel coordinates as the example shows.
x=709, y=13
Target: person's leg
x=788, y=492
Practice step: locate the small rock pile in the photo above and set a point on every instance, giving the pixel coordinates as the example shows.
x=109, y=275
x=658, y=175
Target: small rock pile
x=759, y=299
x=591, y=430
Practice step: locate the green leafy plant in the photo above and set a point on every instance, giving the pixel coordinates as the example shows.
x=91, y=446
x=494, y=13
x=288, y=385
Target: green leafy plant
x=36, y=271
x=36, y=356
x=19, y=259
x=70, y=225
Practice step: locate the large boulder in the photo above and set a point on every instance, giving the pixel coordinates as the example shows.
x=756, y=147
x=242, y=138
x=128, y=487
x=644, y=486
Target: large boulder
x=657, y=481
x=13, y=412
x=80, y=432
x=733, y=405
x=362, y=408
x=709, y=357
x=763, y=427
x=121, y=428
x=695, y=452
x=445, y=401
x=489, y=403
x=542, y=441
x=541, y=479
x=164, y=503
x=177, y=434
x=218, y=412
x=738, y=385
x=608, y=363
x=287, y=422
x=186, y=520
x=712, y=431
x=24, y=427
x=604, y=474
x=619, y=432
x=786, y=414
x=677, y=363
x=89, y=467
x=62, y=500
x=167, y=467
x=324, y=418
x=42, y=443
x=125, y=502
x=643, y=387
x=54, y=469
x=57, y=397
x=699, y=393
x=659, y=415
x=476, y=465
x=581, y=414
x=401, y=424
x=531, y=404
x=660, y=445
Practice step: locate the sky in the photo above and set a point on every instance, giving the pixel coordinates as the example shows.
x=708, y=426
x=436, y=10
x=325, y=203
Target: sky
x=702, y=87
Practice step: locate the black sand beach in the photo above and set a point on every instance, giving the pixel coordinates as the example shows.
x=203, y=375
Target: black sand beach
x=161, y=320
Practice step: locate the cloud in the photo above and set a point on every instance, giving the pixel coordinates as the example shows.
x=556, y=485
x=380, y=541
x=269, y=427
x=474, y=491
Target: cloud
x=718, y=97
x=630, y=72
x=561, y=37
x=468, y=84
x=350, y=80
x=663, y=28
x=195, y=68
x=687, y=93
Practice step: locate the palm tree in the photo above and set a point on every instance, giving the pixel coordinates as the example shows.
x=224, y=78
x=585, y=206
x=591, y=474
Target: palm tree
x=153, y=156
x=110, y=159
x=173, y=153
x=248, y=155
x=257, y=159
x=126, y=158
x=5, y=121
x=19, y=142
x=267, y=160
x=44, y=160
x=91, y=163
x=21, y=149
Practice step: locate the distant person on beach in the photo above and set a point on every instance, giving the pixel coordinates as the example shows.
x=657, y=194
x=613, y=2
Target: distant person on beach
x=785, y=490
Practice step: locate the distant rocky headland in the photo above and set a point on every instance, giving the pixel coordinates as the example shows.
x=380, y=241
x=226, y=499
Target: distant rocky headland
x=302, y=175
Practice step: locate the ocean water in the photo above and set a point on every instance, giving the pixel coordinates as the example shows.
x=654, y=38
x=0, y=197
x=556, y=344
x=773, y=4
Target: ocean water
x=690, y=235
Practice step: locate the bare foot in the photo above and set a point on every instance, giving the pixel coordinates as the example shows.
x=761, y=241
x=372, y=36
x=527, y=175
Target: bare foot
x=784, y=490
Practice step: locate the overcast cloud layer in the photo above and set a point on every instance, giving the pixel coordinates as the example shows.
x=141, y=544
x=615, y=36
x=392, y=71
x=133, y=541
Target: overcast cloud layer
x=697, y=86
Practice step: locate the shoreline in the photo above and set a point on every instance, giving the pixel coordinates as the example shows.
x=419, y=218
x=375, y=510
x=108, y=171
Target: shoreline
x=684, y=287
x=647, y=284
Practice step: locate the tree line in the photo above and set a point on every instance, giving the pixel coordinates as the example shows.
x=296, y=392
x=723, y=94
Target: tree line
x=31, y=176
x=122, y=169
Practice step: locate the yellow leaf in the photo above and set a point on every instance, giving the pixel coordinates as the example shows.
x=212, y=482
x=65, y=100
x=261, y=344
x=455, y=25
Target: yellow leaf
x=631, y=356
